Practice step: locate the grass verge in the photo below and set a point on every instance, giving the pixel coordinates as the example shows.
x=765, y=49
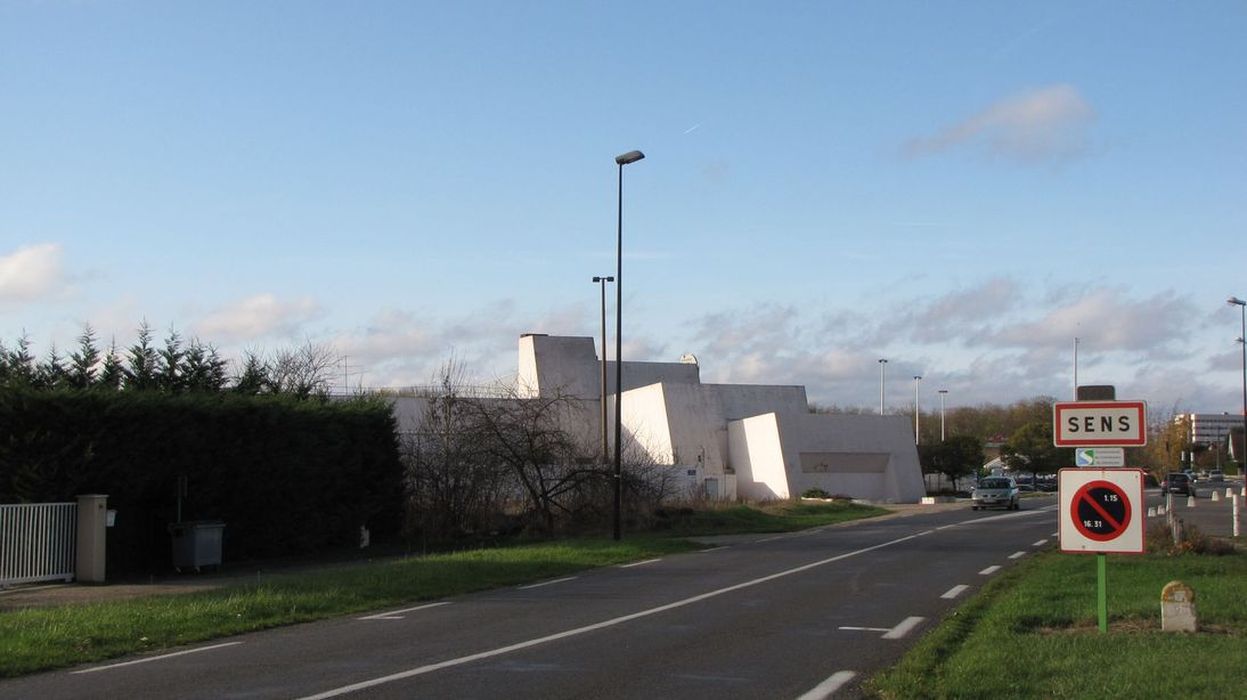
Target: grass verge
x=1032, y=633
x=38, y=639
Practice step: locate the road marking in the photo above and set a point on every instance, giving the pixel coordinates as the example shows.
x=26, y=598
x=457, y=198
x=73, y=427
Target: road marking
x=156, y=658
x=712, y=549
x=429, y=668
x=1017, y=555
x=989, y=571
x=1055, y=534
x=1040, y=543
x=927, y=532
x=905, y=627
x=828, y=687
x=547, y=583
x=954, y=592
x=398, y=614
x=867, y=629
x=769, y=539
x=638, y=563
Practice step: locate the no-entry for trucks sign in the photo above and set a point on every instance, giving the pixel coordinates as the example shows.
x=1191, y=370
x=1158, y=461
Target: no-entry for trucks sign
x=1099, y=423
x=1101, y=510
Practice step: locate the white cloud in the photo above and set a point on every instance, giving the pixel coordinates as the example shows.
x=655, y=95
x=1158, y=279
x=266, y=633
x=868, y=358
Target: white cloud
x=1042, y=125
x=31, y=273
x=259, y=316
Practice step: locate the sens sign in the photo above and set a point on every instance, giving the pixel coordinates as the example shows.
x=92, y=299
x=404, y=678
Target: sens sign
x=1099, y=423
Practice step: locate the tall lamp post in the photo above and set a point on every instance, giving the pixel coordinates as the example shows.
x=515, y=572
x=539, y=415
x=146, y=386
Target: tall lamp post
x=882, y=366
x=621, y=161
x=601, y=281
x=917, y=381
x=1242, y=339
x=943, y=393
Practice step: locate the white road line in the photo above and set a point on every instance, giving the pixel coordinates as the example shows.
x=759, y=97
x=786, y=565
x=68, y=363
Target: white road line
x=989, y=571
x=398, y=614
x=905, y=627
x=926, y=532
x=1017, y=555
x=828, y=687
x=156, y=658
x=638, y=563
x=429, y=668
x=769, y=539
x=1040, y=543
x=867, y=629
x=712, y=549
x=547, y=583
x=954, y=592
x=1055, y=534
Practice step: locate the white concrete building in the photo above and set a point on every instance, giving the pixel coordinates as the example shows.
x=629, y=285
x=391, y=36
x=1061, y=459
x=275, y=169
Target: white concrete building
x=1209, y=428
x=730, y=440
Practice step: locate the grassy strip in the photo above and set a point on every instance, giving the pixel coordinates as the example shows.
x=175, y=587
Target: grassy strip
x=779, y=516
x=1032, y=633
x=44, y=638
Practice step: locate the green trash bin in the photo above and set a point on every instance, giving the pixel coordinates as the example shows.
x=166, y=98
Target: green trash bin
x=196, y=544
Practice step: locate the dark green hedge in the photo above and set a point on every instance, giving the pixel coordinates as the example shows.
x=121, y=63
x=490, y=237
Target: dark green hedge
x=287, y=476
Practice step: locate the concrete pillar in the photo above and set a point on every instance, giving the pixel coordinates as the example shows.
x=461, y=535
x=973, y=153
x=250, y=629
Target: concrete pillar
x=92, y=521
x=1177, y=608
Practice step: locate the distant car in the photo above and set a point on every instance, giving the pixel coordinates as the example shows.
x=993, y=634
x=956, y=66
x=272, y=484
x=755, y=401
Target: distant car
x=1216, y=475
x=995, y=492
x=1178, y=482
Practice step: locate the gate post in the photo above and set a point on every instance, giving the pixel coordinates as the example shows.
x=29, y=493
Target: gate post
x=92, y=520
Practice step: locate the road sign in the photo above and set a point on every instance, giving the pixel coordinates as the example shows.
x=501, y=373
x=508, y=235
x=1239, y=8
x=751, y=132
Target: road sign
x=1099, y=424
x=1101, y=510
x=1099, y=457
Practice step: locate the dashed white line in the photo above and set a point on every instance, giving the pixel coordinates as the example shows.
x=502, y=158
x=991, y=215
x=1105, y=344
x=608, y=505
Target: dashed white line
x=989, y=571
x=156, y=658
x=547, y=583
x=1040, y=543
x=499, y=651
x=954, y=592
x=905, y=627
x=1017, y=555
x=1055, y=534
x=638, y=563
x=769, y=539
x=398, y=614
x=828, y=687
x=867, y=629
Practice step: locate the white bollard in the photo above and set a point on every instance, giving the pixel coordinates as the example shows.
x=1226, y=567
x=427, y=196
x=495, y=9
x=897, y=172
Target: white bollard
x=1236, y=500
x=1229, y=492
x=1190, y=501
x=1216, y=495
x=1160, y=510
x=1151, y=512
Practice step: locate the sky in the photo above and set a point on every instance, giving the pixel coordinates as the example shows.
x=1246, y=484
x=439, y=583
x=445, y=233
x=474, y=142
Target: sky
x=962, y=188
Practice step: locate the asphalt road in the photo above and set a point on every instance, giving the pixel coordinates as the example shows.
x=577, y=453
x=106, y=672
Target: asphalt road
x=802, y=615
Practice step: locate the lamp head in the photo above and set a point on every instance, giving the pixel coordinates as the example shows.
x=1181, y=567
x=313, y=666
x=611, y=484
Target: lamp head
x=629, y=157
x=1236, y=301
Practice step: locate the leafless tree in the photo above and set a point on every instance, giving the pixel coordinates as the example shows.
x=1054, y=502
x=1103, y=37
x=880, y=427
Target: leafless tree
x=304, y=371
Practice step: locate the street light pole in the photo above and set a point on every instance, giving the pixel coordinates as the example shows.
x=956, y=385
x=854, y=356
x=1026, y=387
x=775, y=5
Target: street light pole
x=917, y=380
x=1242, y=339
x=621, y=161
x=605, y=443
x=882, y=366
x=943, y=393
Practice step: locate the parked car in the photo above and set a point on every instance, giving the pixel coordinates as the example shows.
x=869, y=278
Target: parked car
x=995, y=492
x=1178, y=482
x=1216, y=475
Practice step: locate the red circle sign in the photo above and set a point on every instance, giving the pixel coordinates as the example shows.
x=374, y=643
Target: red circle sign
x=1100, y=511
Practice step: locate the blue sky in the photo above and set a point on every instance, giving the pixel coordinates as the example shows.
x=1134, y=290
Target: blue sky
x=961, y=188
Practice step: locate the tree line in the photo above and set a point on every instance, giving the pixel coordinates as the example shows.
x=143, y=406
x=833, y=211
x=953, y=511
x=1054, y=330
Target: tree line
x=178, y=365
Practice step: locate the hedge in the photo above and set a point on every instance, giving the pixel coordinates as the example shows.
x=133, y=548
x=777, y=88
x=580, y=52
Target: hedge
x=288, y=477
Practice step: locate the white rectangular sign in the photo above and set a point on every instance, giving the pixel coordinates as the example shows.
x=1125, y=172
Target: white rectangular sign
x=1099, y=457
x=1101, y=510
x=1099, y=424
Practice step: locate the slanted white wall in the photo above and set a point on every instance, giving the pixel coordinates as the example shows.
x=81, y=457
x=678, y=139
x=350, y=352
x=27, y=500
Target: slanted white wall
x=549, y=364
x=646, y=424
x=862, y=456
x=757, y=454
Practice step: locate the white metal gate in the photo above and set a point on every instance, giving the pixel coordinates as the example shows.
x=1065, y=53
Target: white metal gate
x=37, y=542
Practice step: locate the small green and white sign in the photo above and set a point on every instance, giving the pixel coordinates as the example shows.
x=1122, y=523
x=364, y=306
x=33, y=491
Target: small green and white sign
x=1099, y=457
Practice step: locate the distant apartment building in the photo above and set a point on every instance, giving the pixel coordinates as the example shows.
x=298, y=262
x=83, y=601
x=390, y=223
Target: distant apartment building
x=1209, y=428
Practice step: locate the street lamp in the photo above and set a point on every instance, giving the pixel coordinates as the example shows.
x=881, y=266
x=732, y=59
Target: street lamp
x=943, y=393
x=621, y=161
x=882, y=365
x=917, y=380
x=1242, y=339
x=601, y=281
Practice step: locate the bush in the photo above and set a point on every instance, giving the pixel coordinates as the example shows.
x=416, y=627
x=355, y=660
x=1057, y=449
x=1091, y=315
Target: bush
x=286, y=476
x=1194, y=541
x=815, y=493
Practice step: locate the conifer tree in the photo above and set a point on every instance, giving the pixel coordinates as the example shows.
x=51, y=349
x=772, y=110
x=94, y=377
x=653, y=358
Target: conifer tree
x=112, y=374
x=254, y=378
x=51, y=372
x=82, y=362
x=142, y=361
x=21, y=364
x=169, y=370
